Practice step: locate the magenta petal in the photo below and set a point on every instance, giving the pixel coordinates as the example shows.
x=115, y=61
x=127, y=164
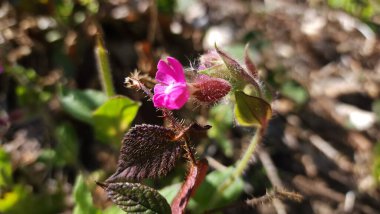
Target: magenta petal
x=165, y=73
x=171, y=97
x=179, y=73
x=159, y=89
x=177, y=97
x=159, y=100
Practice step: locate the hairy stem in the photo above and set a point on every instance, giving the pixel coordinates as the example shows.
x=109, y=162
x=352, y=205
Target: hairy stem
x=244, y=161
x=104, y=67
x=241, y=165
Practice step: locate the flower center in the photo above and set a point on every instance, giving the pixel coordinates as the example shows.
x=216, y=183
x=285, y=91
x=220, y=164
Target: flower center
x=169, y=88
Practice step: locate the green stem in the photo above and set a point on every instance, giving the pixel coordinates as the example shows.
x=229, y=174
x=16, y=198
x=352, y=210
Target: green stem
x=104, y=68
x=241, y=166
x=243, y=163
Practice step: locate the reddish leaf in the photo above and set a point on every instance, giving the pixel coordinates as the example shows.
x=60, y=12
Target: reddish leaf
x=249, y=63
x=148, y=151
x=196, y=175
x=237, y=71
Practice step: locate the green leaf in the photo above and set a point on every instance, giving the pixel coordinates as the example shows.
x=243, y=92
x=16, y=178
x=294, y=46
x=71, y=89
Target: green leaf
x=80, y=104
x=82, y=198
x=9, y=200
x=166, y=6
x=136, y=198
x=5, y=169
x=364, y=9
x=169, y=192
x=64, y=9
x=250, y=110
x=207, y=197
x=22, y=199
x=113, y=210
x=67, y=148
x=113, y=118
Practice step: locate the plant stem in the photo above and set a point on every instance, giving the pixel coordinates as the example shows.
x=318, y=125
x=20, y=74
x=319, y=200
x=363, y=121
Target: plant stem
x=243, y=163
x=104, y=67
x=241, y=166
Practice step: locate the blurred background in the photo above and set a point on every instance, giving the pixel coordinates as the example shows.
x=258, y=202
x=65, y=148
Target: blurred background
x=321, y=58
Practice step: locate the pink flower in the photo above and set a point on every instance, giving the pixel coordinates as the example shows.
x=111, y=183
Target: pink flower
x=171, y=92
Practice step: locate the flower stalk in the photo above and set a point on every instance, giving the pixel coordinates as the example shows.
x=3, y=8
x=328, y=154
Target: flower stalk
x=104, y=67
x=241, y=165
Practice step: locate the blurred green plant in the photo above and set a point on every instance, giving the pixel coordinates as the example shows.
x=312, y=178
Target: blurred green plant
x=82, y=197
x=66, y=151
x=29, y=92
x=5, y=170
x=209, y=194
x=376, y=109
x=112, y=118
x=166, y=6
x=364, y=9
x=221, y=119
x=295, y=92
x=80, y=104
x=376, y=163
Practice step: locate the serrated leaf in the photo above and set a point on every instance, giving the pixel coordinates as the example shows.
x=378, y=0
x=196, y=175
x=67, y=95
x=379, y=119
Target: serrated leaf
x=194, y=178
x=251, y=111
x=148, y=151
x=207, y=197
x=136, y=198
x=80, y=104
x=113, y=118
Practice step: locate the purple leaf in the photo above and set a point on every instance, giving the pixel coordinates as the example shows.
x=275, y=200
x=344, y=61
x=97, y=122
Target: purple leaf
x=148, y=151
x=238, y=71
x=249, y=63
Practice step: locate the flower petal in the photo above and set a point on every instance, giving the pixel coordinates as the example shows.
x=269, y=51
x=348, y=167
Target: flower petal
x=171, y=97
x=165, y=73
x=179, y=73
x=159, y=89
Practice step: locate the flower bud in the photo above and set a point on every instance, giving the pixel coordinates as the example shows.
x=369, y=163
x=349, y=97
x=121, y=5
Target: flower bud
x=209, y=60
x=208, y=89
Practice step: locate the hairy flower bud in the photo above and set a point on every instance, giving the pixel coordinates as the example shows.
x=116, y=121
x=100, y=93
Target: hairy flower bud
x=208, y=89
x=209, y=60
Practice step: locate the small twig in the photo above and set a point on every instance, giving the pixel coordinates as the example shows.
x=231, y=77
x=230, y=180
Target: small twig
x=275, y=194
x=215, y=164
x=272, y=173
x=332, y=153
x=153, y=21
